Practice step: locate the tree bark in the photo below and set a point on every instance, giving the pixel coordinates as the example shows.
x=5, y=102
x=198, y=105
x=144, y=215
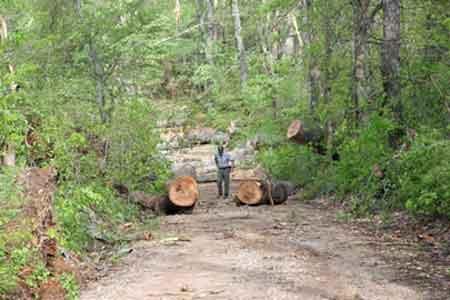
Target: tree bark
x=390, y=55
x=9, y=157
x=210, y=37
x=239, y=42
x=98, y=71
x=362, y=22
x=328, y=36
x=100, y=78
x=360, y=38
x=312, y=63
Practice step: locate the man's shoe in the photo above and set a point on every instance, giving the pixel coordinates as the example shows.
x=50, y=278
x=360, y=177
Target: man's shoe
x=219, y=196
x=225, y=197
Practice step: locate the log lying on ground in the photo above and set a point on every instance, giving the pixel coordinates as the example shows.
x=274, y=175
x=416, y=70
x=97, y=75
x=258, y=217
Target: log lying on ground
x=256, y=192
x=183, y=192
x=182, y=196
x=301, y=133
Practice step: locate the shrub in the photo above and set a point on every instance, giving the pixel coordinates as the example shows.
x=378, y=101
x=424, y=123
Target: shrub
x=424, y=176
x=84, y=211
x=291, y=162
x=359, y=155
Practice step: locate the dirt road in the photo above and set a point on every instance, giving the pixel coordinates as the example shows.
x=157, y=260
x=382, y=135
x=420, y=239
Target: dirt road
x=292, y=251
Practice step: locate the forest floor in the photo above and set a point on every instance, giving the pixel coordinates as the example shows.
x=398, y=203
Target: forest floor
x=299, y=250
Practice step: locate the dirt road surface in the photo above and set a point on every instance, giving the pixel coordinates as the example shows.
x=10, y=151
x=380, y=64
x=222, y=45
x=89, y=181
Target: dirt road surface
x=291, y=251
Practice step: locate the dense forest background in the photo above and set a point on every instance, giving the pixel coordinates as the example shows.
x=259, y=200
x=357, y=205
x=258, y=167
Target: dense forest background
x=83, y=83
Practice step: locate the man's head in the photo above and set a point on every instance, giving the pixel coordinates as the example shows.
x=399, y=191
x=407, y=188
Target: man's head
x=220, y=149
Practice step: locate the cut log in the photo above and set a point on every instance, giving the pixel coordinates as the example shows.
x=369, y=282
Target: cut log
x=291, y=187
x=254, y=192
x=250, y=192
x=182, y=196
x=183, y=191
x=280, y=193
x=300, y=133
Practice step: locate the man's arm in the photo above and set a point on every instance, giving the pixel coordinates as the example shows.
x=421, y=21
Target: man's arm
x=216, y=160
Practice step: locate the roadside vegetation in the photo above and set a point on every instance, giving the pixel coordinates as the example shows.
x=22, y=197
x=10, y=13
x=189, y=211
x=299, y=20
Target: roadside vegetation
x=84, y=83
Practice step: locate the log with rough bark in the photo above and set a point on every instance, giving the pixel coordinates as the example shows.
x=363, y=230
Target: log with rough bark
x=182, y=196
x=256, y=192
x=304, y=134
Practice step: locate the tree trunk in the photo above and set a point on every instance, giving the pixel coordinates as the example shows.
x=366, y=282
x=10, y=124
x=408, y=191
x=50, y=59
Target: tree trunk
x=255, y=192
x=312, y=65
x=390, y=55
x=98, y=71
x=239, y=42
x=362, y=22
x=327, y=24
x=360, y=38
x=9, y=157
x=3, y=29
x=182, y=196
x=210, y=37
x=99, y=76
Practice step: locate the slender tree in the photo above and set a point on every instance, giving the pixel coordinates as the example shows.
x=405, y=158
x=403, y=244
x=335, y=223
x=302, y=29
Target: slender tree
x=362, y=21
x=9, y=157
x=239, y=42
x=312, y=63
x=390, y=56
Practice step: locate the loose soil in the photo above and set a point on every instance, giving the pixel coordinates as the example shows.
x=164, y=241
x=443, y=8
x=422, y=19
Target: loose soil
x=293, y=251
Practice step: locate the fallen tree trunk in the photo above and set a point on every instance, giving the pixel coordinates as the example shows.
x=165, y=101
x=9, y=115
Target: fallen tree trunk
x=256, y=192
x=301, y=133
x=182, y=196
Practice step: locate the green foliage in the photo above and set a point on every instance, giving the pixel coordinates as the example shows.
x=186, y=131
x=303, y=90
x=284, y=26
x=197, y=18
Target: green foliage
x=40, y=274
x=12, y=130
x=359, y=155
x=424, y=175
x=69, y=283
x=85, y=212
x=132, y=152
x=291, y=162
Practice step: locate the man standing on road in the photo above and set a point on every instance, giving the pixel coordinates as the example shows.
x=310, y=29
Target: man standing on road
x=224, y=165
